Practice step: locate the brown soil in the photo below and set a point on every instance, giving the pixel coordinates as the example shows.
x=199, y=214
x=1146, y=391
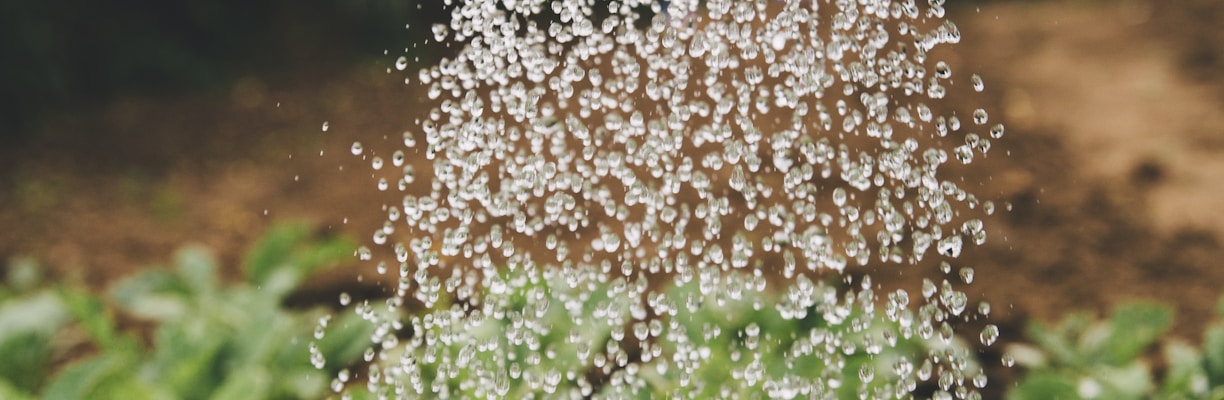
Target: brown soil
x=1115, y=115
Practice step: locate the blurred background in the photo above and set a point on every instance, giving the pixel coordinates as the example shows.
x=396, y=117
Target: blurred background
x=131, y=127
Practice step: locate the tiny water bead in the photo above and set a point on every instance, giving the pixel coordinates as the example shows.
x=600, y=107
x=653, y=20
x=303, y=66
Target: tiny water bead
x=989, y=334
x=978, y=84
x=615, y=200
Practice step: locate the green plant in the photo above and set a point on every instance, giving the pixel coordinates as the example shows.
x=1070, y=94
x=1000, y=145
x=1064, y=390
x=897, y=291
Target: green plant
x=558, y=337
x=828, y=351
x=28, y=319
x=211, y=340
x=1083, y=358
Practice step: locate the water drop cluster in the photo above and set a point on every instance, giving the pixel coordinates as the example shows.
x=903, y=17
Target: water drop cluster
x=629, y=165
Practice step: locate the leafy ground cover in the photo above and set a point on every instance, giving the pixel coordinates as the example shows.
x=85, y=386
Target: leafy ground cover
x=181, y=332
x=1082, y=357
x=210, y=339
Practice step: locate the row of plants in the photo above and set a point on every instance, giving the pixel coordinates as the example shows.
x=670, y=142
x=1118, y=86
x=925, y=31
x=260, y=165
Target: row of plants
x=197, y=336
x=209, y=339
x=558, y=340
x=1127, y=355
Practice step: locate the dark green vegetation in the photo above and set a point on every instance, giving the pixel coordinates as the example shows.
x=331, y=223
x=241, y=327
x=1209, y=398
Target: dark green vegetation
x=1084, y=358
x=209, y=339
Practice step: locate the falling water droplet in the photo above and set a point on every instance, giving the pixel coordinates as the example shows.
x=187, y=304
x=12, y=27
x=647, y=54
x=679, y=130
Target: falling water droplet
x=989, y=334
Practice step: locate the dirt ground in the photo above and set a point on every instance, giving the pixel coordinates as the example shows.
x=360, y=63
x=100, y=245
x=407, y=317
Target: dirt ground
x=1112, y=162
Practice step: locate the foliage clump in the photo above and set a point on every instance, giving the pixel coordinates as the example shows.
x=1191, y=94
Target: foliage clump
x=210, y=339
x=1085, y=358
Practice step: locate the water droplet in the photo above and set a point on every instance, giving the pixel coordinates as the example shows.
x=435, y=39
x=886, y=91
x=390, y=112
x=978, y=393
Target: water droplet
x=397, y=159
x=839, y=196
x=942, y=70
x=989, y=334
x=357, y=148
x=950, y=246
x=966, y=274
x=996, y=131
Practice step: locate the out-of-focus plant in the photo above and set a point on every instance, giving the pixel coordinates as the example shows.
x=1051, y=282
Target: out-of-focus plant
x=29, y=318
x=211, y=340
x=1084, y=358
x=750, y=350
x=556, y=339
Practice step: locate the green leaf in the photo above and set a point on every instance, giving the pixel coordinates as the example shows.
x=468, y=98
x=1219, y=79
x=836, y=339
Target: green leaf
x=1213, y=354
x=154, y=294
x=300, y=383
x=1133, y=381
x=1044, y=385
x=96, y=319
x=10, y=392
x=252, y=382
x=198, y=268
x=86, y=379
x=286, y=254
x=43, y=313
x=360, y=393
x=1059, y=342
x=273, y=251
x=1185, y=377
x=1133, y=328
x=346, y=340
x=24, y=359
x=187, y=358
x=256, y=344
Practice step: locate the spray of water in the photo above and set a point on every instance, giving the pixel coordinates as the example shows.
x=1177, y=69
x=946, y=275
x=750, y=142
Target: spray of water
x=649, y=198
